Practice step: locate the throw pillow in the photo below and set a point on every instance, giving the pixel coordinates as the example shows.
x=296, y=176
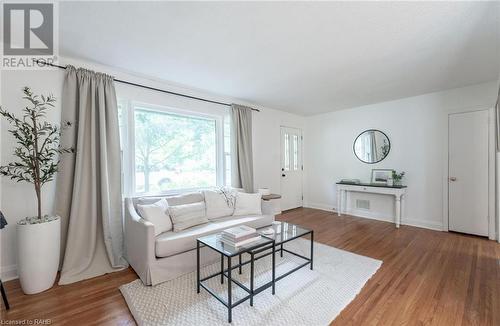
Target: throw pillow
x=248, y=204
x=157, y=214
x=188, y=215
x=219, y=202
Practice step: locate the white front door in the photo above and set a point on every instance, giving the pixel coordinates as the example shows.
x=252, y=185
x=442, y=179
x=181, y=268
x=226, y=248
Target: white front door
x=468, y=172
x=291, y=168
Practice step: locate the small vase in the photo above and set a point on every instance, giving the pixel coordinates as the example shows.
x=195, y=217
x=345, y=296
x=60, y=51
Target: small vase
x=397, y=183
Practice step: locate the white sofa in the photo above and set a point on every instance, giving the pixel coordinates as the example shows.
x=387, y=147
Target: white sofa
x=171, y=254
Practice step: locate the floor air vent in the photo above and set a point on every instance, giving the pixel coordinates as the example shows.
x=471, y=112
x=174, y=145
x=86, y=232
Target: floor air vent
x=362, y=203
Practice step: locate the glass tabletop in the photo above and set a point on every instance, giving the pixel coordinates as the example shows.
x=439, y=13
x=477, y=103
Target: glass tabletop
x=285, y=232
x=213, y=241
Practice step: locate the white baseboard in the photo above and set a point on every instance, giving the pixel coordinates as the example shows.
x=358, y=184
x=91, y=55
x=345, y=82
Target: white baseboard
x=425, y=224
x=322, y=207
x=9, y=273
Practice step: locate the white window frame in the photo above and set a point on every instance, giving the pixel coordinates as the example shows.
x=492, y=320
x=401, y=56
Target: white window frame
x=129, y=147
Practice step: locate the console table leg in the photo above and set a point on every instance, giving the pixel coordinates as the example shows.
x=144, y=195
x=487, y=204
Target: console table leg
x=398, y=210
x=403, y=201
x=281, y=251
x=339, y=202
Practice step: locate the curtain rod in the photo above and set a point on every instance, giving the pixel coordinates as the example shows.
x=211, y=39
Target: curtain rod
x=149, y=87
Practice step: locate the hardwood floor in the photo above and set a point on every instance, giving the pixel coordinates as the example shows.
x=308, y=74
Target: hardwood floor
x=427, y=278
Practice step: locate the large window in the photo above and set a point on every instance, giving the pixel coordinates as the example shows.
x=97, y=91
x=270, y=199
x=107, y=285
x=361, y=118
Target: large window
x=172, y=151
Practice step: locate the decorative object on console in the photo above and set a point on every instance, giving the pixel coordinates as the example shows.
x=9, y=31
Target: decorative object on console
x=37, y=160
x=371, y=146
x=381, y=176
x=398, y=177
x=350, y=181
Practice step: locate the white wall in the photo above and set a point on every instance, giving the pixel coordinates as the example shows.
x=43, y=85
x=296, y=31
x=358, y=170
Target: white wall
x=17, y=199
x=417, y=129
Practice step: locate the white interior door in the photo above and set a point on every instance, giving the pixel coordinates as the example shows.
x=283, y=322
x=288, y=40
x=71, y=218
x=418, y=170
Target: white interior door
x=468, y=172
x=291, y=168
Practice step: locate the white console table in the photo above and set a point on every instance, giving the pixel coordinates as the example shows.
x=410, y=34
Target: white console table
x=398, y=192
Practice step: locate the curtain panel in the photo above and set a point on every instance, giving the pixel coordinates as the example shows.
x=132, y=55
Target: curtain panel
x=497, y=114
x=241, y=149
x=89, y=182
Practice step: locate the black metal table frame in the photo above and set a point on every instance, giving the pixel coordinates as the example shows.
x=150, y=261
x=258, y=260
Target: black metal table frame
x=253, y=252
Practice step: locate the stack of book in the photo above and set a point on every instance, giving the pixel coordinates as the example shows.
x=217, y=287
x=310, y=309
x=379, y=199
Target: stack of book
x=239, y=236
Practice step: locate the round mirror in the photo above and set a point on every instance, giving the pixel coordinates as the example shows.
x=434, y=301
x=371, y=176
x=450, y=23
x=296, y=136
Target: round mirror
x=371, y=146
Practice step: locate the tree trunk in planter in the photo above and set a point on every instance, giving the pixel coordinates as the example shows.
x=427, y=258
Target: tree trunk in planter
x=38, y=251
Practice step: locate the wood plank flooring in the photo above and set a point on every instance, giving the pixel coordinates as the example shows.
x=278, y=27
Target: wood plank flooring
x=427, y=278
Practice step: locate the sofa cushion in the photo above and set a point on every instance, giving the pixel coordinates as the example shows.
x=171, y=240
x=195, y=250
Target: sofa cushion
x=219, y=203
x=172, y=243
x=188, y=215
x=157, y=213
x=248, y=204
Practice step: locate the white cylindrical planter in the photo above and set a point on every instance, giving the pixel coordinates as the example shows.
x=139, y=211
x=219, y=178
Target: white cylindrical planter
x=38, y=248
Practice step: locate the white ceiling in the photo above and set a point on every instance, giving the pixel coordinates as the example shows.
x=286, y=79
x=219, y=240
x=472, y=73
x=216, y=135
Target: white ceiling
x=304, y=58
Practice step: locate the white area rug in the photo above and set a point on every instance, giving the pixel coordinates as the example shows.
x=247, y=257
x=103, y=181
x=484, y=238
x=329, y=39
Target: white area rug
x=303, y=298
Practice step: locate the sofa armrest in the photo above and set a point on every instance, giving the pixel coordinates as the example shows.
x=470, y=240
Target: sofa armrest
x=139, y=242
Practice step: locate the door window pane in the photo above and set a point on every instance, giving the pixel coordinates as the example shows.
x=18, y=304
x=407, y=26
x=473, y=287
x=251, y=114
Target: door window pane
x=295, y=152
x=287, y=152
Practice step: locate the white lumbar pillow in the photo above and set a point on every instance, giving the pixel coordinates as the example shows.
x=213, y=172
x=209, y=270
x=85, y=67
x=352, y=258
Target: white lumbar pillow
x=157, y=214
x=219, y=203
x=248, y=204
x=188, y=215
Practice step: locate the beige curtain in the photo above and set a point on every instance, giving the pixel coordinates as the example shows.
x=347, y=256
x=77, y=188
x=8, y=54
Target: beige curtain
x=497, y=113
x=89, y=181
x=241, y=151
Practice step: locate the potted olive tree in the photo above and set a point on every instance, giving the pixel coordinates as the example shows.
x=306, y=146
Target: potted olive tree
x=37, y=154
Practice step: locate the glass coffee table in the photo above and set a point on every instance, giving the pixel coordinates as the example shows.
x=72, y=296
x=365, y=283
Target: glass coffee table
x=265, y=246
x=285, y=232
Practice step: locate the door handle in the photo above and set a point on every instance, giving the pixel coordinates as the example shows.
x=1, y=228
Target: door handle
x=453, y=179
x=283, y=175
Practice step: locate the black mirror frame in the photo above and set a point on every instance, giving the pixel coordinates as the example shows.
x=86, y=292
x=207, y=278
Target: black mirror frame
x=354, y=144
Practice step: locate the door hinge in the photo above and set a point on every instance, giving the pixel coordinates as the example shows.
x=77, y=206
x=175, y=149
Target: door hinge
x=302, y=168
